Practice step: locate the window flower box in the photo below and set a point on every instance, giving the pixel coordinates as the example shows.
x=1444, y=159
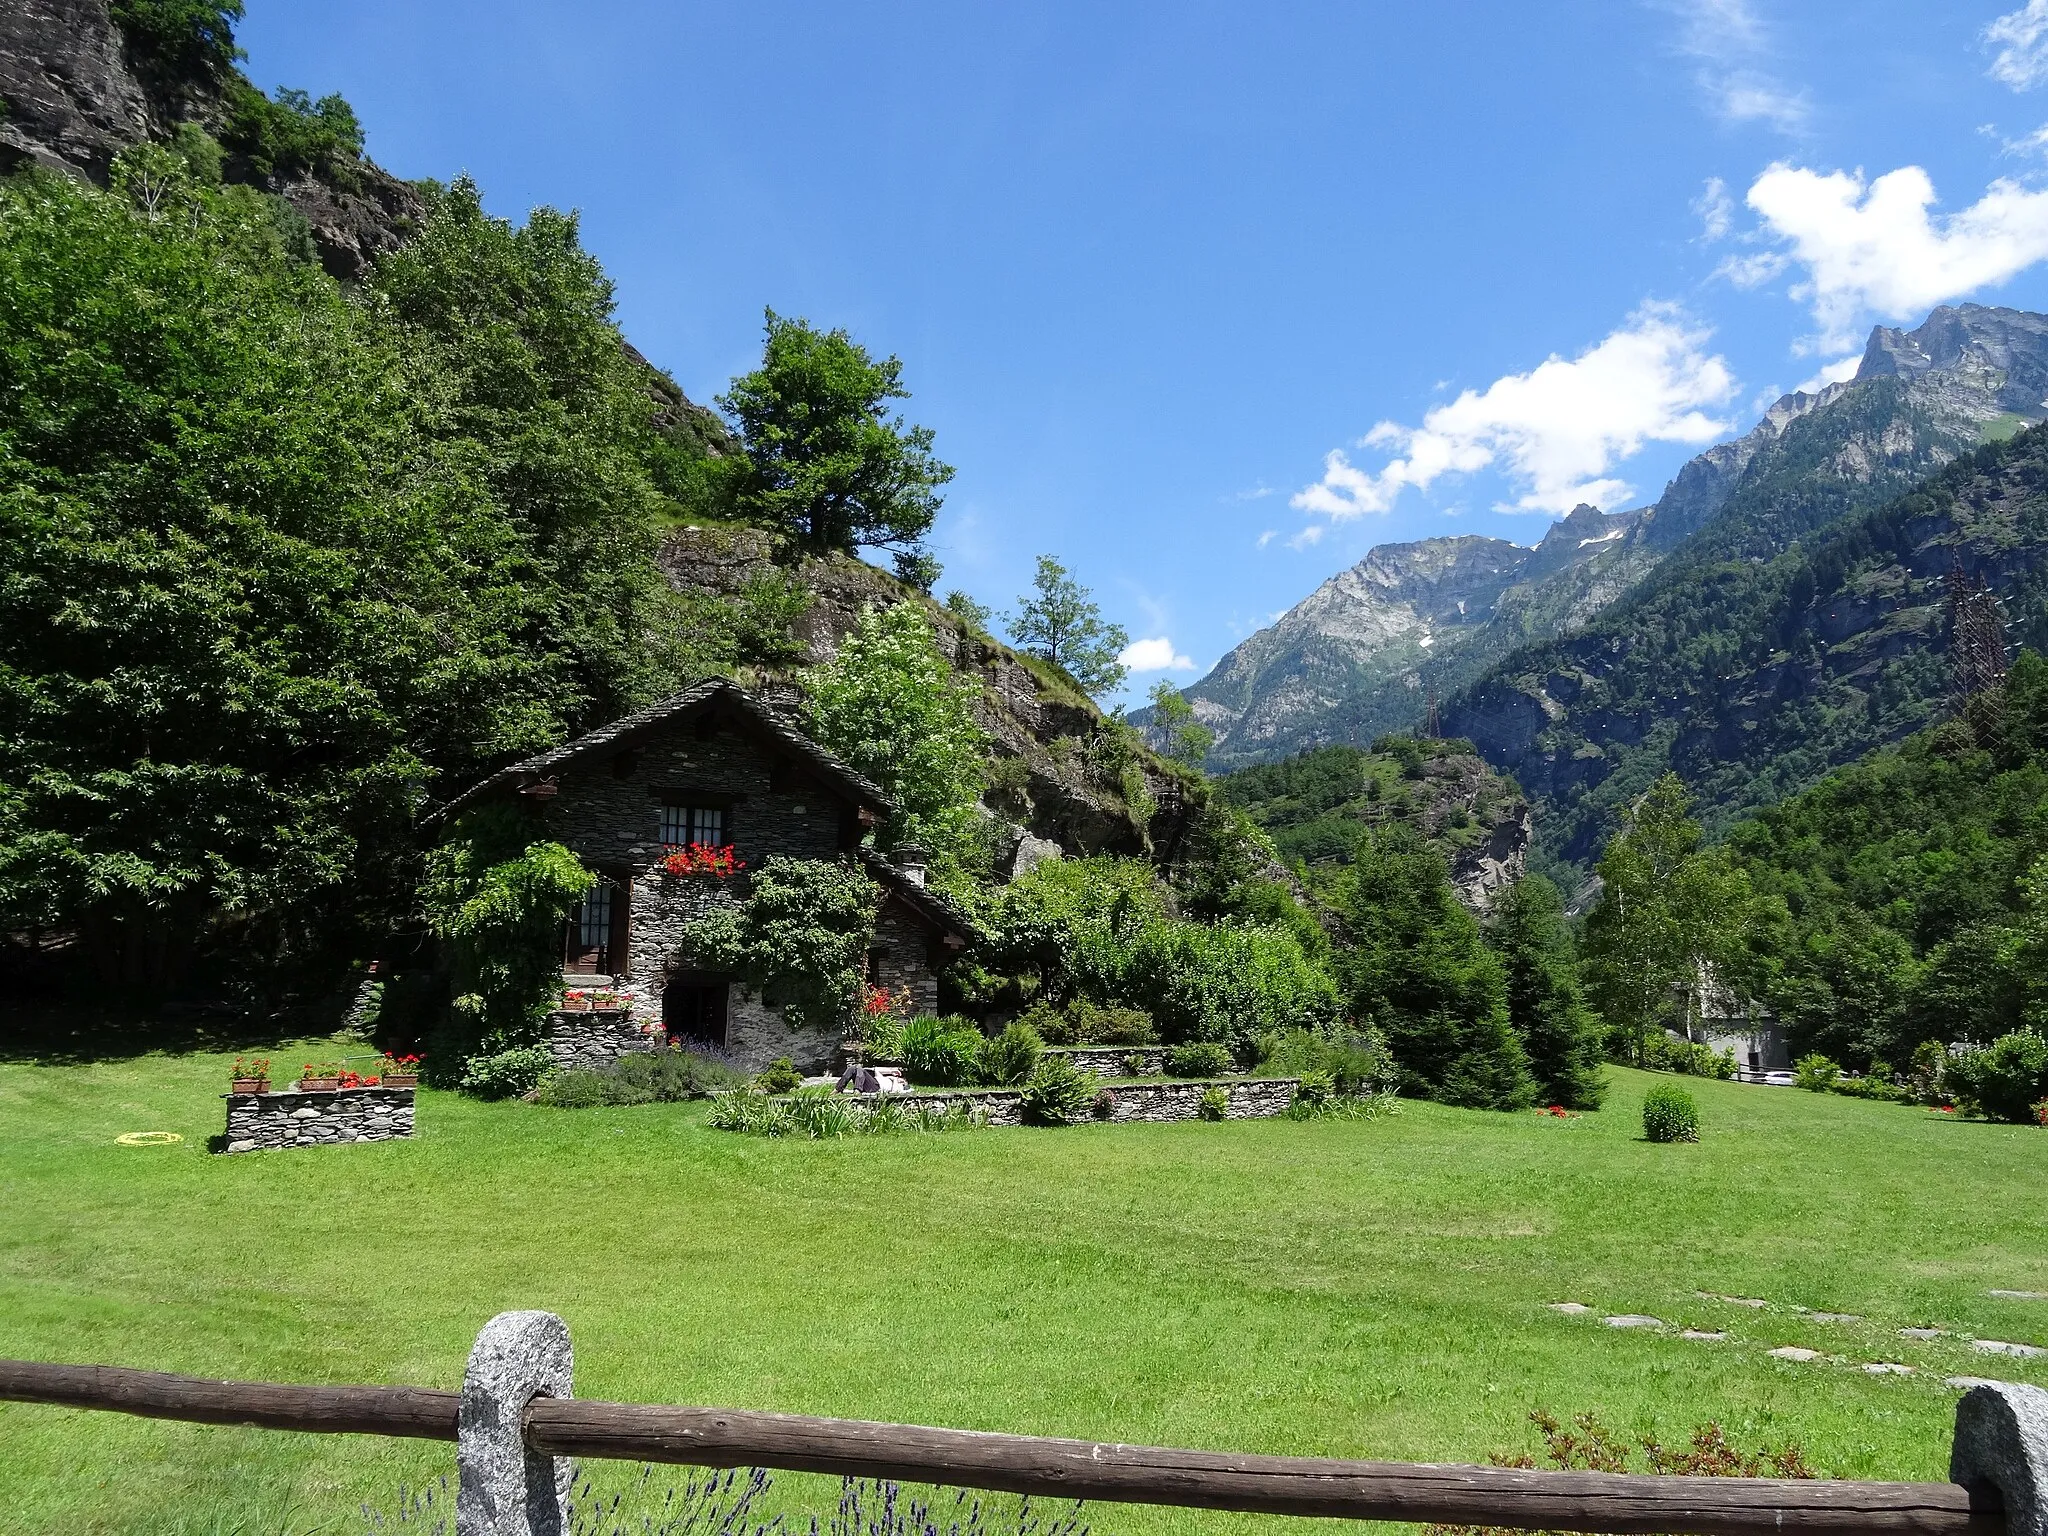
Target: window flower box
x=720, y=861
x=320, y=1077
x=401, y=1071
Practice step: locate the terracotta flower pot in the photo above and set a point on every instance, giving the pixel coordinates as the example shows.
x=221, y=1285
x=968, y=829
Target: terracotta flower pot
x=249, y=1085
x=401, y=1080
x=575, y=1005
x=319, y=1084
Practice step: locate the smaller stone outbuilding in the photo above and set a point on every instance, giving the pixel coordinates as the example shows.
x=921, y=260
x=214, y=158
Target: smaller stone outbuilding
x=718, y=769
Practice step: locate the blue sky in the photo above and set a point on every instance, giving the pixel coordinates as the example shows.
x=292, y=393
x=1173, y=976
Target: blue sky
x=1150, y=268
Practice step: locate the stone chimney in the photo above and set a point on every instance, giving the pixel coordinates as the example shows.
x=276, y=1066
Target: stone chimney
x=911, y=860
x=781, y=696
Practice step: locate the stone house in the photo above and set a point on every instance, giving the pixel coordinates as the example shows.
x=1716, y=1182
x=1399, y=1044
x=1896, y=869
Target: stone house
x=715, y=765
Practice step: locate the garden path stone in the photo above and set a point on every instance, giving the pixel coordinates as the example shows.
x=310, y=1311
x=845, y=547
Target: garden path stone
x=1736, y=1301
x=1634, y=1320
x=1964, y=1383
x=1923, y=1333
x=2001, y=1347
x=1888, y=1368
x=1703, y=1333
x=1794, y=1352
x=1570, y=1308
x=2020, y=1295
x=1836, y=1317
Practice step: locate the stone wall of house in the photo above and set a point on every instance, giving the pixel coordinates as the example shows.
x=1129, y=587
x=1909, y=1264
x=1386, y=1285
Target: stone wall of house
x=607, y=810
x=1251, y=1098
x=757, y=1034
x=589, y=1039
x=291, y=1118
x=901, y=960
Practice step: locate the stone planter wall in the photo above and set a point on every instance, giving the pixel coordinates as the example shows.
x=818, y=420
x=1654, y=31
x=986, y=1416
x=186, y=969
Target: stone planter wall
x=266, y=1121
x=588, y=1039
x=1251, y=1098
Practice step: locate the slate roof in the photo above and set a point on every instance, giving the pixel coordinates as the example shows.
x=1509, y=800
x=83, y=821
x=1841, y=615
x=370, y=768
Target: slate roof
x=862, y=791
x=932, y=906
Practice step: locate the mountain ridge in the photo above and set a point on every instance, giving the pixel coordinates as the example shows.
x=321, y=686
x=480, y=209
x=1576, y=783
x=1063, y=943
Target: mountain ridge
x=1360, y=655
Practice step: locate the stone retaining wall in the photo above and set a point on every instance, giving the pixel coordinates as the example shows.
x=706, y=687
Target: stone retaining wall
x=1109, y=1059
x=1251, y=1098
x=587, y=1040
x=291, y=1118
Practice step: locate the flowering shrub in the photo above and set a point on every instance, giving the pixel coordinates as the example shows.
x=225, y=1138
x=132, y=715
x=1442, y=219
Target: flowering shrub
x=719, y=860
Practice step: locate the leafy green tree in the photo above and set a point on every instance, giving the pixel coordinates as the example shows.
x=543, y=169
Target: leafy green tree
x=824, y=462
x=1418, y=968
x=1182, y=738
x=891, y=705
x=964, y=608
x=1671, y=918
x=180, y=41
x=1060, y=622
x=1560, y=1034
x=499, y=897
x=799, y=938
x=283, y=565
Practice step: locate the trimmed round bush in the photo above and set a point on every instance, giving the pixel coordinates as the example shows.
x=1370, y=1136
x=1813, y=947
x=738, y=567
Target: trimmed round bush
x=779, y=1076
x=1199, y=1058
x=1669, y=1114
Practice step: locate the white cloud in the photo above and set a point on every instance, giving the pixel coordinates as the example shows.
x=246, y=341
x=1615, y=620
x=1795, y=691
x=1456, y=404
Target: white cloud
x=1557, y=429
x=2022, y=39
x=1154, y=655
x=1268, y=536
x=1840, y=371
x=1716, y=210
x=1875, y=248
x=1726, y=38
x=1257, y=493
x=2034, y=143
x=1309, y=536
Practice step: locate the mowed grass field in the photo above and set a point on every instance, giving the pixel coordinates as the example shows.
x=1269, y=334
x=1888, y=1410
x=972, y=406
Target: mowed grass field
x=1325, y=1288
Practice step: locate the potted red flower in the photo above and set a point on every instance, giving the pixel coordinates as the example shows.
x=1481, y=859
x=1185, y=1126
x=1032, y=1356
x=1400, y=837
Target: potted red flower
x=721, y=861
x=250, y=1076
x=576, y=1002
x=401, y=1071
x=321, y=1077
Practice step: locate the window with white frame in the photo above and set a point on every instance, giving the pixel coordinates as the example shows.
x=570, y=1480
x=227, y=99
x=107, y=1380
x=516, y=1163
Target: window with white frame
x=682, y=825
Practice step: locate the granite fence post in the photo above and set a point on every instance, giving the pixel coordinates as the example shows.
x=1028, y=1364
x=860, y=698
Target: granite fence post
x=2002, y=1443
x=502, y=1488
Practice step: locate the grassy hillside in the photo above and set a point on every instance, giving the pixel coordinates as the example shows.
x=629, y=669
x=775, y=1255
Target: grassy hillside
x=1328, y=1288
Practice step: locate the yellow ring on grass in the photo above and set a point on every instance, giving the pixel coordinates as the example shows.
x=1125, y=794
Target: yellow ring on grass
x=149, y=1138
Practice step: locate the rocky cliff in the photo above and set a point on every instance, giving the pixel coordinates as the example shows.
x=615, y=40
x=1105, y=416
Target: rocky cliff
x=77, y=93
x=1064, y=778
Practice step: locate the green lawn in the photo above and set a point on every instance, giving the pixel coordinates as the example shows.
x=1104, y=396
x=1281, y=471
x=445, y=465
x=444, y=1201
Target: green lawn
x=1332, y=1288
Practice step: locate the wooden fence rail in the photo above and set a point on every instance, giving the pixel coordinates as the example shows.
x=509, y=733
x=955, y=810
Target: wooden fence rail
x=1064, y=1469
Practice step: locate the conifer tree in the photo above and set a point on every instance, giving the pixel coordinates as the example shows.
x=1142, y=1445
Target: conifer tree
x=1560, y=1034
x=1419, y=969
